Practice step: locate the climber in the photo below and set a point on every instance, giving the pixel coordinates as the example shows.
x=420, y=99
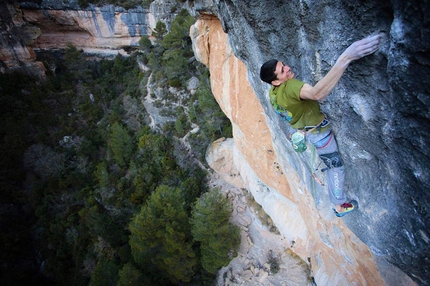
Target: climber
x=297, y=103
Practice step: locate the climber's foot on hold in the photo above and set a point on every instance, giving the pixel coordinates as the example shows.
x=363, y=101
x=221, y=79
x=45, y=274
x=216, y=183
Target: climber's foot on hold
x=345, y=208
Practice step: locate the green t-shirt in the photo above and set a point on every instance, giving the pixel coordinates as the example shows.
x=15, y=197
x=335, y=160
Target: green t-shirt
x=299, y=112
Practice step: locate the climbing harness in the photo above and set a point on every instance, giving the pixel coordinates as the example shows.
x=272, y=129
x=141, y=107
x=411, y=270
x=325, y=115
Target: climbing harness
x=298, y=139
x=322, y=124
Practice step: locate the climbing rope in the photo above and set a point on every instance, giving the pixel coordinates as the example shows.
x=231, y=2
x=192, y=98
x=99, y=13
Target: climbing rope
x=310, y=168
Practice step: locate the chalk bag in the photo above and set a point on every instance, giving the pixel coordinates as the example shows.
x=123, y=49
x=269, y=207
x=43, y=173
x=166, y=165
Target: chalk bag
x=299, y=142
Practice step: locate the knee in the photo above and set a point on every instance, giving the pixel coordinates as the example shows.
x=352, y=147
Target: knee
x=332, y=160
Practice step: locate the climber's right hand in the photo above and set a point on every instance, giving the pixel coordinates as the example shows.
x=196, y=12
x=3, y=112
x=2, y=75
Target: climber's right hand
x=362, y=48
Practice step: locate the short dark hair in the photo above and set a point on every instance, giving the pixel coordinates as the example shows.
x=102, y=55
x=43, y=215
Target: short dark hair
x=267, y=71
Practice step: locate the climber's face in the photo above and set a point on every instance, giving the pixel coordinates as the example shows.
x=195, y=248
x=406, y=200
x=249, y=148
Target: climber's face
x=283, y=73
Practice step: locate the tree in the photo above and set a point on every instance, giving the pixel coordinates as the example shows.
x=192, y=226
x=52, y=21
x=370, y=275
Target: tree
x=176, y=67
x=102, y=175
x=145, y=43
x=44, y=161
x=73, y=58
x=120, y=143
x=177, y=44
x=218, y=238
x=129, y=276
x=160, y=235
x=75, y=62
x=105, y=274
x=179, y=35
x=192, y=187
x=159, y=31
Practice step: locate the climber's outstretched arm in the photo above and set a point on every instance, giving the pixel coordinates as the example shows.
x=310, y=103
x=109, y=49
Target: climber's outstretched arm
x=354, y=52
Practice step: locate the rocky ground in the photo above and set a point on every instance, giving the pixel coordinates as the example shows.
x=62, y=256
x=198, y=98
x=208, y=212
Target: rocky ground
x=264, y=256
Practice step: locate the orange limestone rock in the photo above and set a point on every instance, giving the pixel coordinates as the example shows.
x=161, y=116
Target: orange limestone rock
x=236, y=98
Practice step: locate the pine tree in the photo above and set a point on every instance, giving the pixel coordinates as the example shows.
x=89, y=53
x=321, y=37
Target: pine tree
x=105, y=274
x=218, y=238
x=159, y=31
x=129, y=276
x=102, y=175
x=145, y=44
x=160, y=235
x=120, y=143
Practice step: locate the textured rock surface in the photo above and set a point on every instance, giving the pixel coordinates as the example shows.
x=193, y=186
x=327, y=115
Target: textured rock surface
x=220, y=158
x=264, y=256
x=15, y=39
x=27, y=27
x=380, y=113
x=93, y=28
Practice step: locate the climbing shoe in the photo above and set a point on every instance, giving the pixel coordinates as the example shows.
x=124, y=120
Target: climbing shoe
x=347, y=208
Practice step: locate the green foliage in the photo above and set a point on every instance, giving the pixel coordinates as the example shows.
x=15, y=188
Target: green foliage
x=145, y=43
x=83, y=3
x=159, y=31
x=75, y=62
x=44, y=161
x=129, y=276
x=105, y=274
x=121, y=144
x=153, y=165
x=178, y=37
x=206, y=113
x=69, y=219
x=181, y=124
x=273, y=262
x=78, y=198
x=146, y=3
x=219, y=239
x=73, y=58
x=102, y=175
x=193, y=186
x=160, y=234
x=177, y=45
x=176, y=66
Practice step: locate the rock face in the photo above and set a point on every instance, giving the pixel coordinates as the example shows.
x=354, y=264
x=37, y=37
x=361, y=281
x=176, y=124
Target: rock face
x=97, y=28
x=380, y=115
x=28, y=27
x=15, y=39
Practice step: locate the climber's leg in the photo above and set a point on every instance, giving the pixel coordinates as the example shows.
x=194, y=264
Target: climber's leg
x=327, y=149
x=335, y=179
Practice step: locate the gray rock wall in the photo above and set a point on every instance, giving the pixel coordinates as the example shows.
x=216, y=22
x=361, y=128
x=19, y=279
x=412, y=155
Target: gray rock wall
x=379, y=109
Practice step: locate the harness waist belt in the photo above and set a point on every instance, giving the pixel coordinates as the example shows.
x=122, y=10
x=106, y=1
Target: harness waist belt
x=322, y=124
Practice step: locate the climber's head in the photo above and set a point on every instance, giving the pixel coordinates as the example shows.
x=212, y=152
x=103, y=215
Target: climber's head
x=275, y=72
x=267, y=71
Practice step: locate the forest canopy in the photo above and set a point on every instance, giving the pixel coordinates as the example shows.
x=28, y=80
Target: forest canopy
x=93, y=194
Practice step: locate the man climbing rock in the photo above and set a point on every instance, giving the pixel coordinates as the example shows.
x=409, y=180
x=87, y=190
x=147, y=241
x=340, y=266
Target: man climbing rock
x=297, y=103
